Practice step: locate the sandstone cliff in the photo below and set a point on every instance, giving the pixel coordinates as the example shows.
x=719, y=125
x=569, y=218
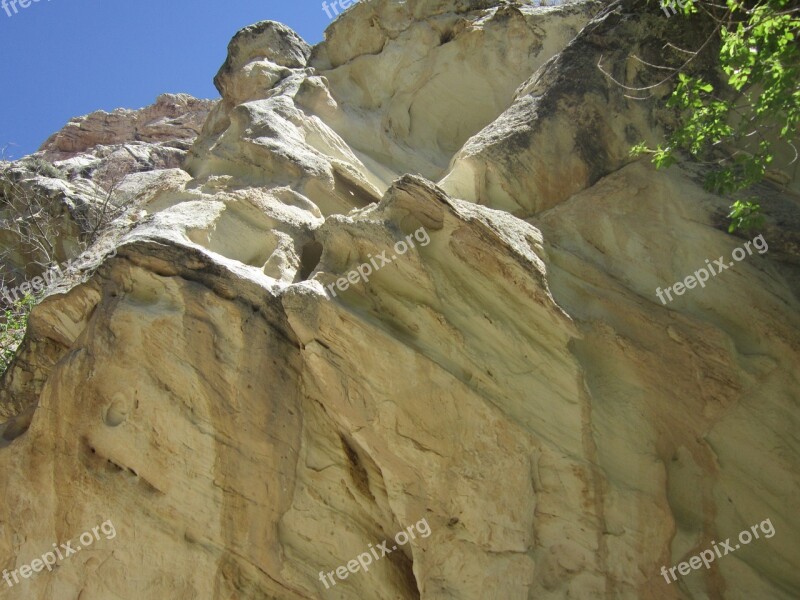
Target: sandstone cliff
x=94, y=158
x=248, y=421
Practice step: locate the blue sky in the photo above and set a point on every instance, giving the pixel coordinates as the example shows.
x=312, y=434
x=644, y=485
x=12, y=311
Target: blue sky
x=66, y=58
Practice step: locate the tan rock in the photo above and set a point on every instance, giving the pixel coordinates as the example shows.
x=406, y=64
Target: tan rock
x=173, y=117
x=253, y=409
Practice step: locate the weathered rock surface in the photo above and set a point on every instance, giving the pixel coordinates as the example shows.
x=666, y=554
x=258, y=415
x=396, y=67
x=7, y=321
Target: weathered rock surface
x=99, y=157
x=511, y=378
x=173, y=118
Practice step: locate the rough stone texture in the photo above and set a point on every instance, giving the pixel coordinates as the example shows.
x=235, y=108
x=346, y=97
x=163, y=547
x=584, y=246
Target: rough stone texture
x=513, y=380
x=173, y=117
x=94, y=154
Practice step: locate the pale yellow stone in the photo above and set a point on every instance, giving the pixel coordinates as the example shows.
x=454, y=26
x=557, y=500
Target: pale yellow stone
x=512, y=378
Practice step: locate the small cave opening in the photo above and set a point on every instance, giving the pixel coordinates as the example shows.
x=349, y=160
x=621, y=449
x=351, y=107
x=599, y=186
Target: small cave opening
x=358, y=472
x=16, y=427
x=446, y=36
x=310, y=256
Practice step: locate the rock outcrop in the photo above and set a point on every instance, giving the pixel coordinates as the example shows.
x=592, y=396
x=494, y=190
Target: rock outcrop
x=96, y=159
x=174, y=121
x=253, y=410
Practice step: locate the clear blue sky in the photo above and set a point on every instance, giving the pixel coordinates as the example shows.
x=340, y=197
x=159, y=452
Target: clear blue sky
x=66, y=58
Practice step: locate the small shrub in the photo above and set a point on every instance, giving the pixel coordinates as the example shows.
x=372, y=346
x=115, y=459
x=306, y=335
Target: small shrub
x=44, y=168
x=12, y=330
x=745, y=215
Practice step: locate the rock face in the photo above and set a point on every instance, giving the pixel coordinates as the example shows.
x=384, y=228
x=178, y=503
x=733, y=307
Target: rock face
x=93, y=159
x=172, y=119
x=253, y=409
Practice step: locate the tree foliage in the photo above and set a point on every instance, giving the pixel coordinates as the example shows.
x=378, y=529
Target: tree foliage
x=756, y=107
